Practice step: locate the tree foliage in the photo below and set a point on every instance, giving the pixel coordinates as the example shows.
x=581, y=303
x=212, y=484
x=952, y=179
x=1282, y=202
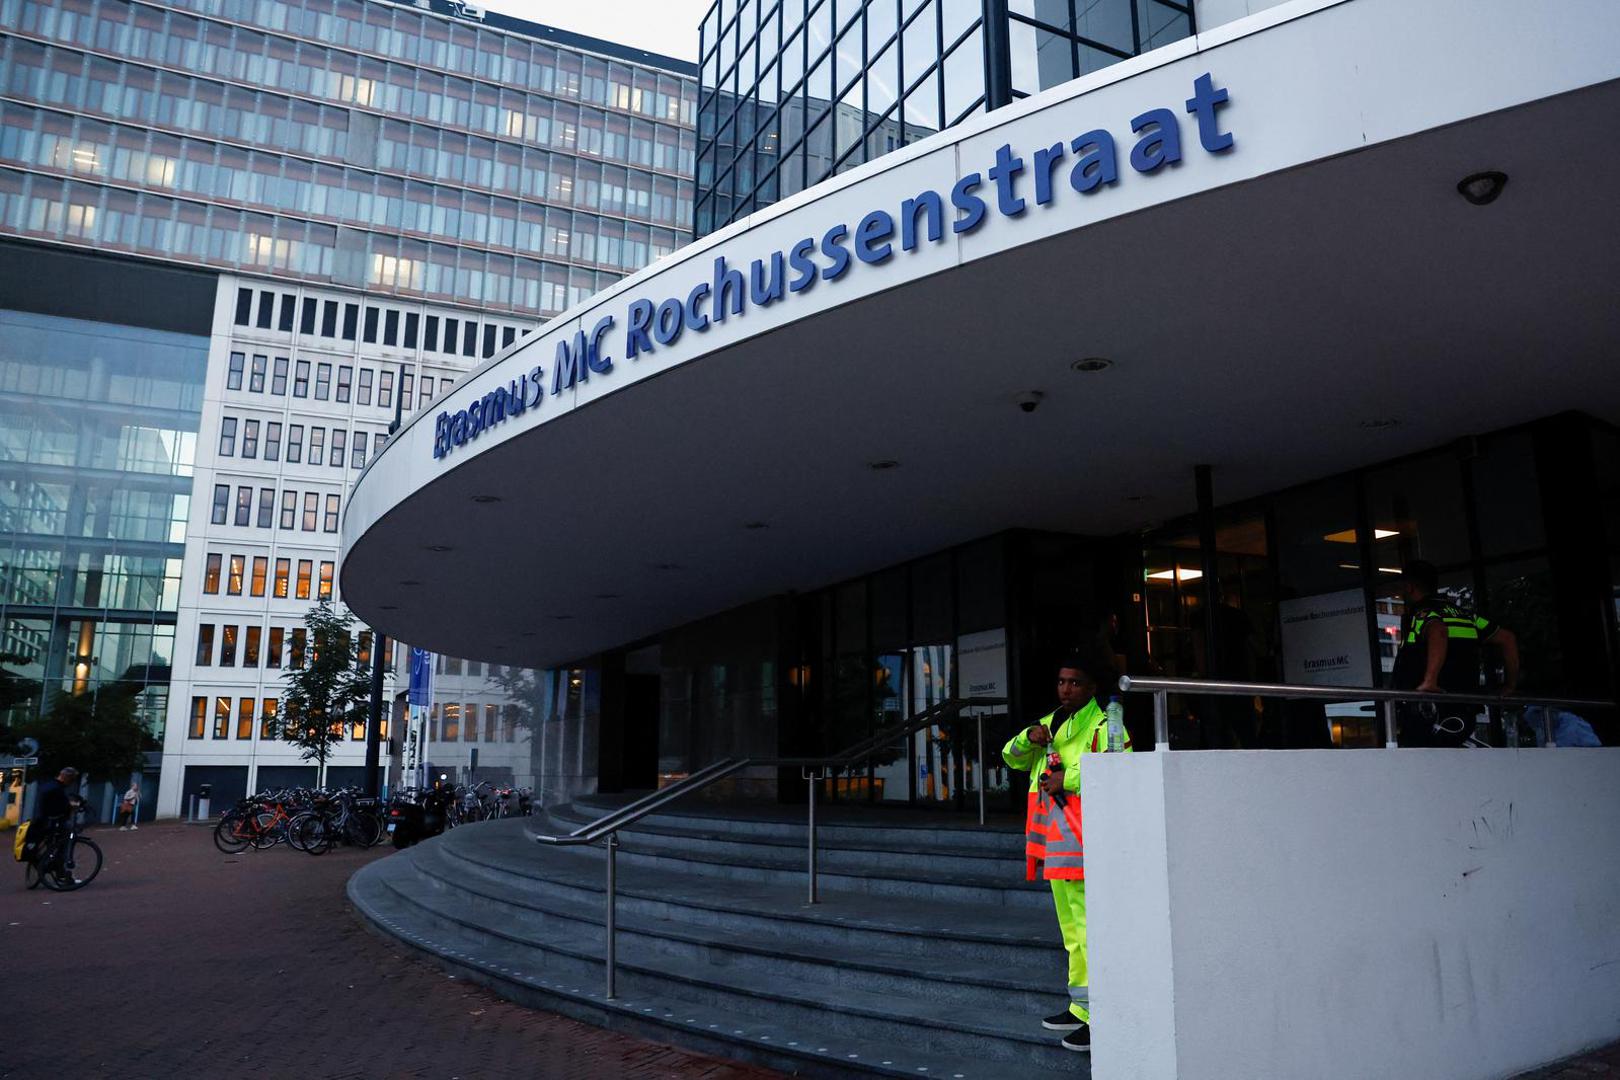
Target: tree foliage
x=97, y=732
x=329, y=692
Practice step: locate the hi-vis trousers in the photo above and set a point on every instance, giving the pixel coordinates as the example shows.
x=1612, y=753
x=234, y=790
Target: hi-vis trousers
x=1069, y=897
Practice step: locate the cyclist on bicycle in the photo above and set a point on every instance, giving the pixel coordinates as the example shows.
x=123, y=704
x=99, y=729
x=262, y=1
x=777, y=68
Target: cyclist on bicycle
x=54, y=801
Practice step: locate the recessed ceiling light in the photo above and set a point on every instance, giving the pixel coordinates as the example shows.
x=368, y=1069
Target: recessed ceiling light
x=665, y=566
x=486, y=498
x=1091, y=364
x=1379, y=423
x=756, y=525
x=883, y=465
x=560, y=618
x=440, y=548
x=1482, y=188
x=1135, y=498
x=388, y=607
x=410, y=582
x=608, y=595
x=527, y=633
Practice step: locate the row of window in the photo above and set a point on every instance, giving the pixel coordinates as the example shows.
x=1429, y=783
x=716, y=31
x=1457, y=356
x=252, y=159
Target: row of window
x=243, y=714
x=243, y=514
x=455, y=722
x=268, y=180
x=314, y=68
x=396, y=329
x=341, y=448
x=236, y=577
x=40, y=206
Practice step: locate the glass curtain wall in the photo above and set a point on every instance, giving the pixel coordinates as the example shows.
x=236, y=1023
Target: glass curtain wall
x=794, y=91
x=98, y=428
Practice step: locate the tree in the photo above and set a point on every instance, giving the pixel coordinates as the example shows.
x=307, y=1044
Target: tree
x=329, y=691
x=97, y=732
x=18, y=699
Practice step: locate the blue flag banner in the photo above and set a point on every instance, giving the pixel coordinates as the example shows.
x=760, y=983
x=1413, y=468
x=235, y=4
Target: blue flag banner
x=421, y=677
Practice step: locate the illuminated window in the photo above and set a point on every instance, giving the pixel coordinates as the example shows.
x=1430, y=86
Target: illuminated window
x=199, y=717
x=326, y=581
x=244, y=718
x=261, y=567
x=233, y=583
x=267, y=718
x=305, y=568
x=283, y=569
x=272, y=654
x=222, y=717
x=211, y=575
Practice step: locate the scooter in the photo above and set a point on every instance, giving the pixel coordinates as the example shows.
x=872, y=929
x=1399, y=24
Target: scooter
x=414, y=817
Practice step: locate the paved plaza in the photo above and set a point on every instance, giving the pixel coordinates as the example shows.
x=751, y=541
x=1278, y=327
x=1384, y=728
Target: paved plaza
x=179, y=961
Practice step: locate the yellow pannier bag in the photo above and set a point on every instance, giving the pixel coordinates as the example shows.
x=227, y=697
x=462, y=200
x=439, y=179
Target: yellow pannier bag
x=19, y=841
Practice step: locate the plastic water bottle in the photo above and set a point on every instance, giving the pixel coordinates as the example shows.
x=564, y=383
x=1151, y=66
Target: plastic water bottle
x=1116, y=725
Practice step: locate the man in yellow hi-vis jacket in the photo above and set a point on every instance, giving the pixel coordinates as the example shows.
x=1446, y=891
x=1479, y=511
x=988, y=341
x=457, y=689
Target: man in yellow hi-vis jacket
x=1054, y=843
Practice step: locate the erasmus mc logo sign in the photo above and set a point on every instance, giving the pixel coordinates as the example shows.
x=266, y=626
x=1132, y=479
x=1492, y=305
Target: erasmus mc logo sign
x=1089, y=163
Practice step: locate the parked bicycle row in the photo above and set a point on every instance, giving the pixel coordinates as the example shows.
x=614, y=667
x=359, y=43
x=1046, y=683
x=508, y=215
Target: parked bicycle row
x=418, y=813
x=311, y=821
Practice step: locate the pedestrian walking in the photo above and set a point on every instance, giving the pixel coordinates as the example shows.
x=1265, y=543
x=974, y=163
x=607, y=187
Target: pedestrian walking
x=129, y=805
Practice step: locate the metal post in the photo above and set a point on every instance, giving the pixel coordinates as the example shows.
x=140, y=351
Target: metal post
x=1390, y=741
x=612, y=898
x=812, y=777
x=1161, y=720
x=379, y=644
x=983, y=769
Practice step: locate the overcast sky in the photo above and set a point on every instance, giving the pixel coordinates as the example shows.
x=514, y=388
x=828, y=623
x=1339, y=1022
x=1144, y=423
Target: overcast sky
x=660, y=26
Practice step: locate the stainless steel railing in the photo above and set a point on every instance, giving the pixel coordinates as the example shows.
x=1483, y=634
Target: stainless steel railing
x=1161, y=689
x=813, y=770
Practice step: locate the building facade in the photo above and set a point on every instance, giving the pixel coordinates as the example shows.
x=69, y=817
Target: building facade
x=374, y=198
x=795, y=91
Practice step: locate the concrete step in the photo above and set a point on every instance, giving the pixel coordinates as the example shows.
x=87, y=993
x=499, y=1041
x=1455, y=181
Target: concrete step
x=990, y=937
x=907, y=967
x=986, y=882
x=959, y=1031
x=577, y=991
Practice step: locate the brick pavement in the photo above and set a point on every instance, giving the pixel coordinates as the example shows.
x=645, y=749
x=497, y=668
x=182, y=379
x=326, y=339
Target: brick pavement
x=179, y=962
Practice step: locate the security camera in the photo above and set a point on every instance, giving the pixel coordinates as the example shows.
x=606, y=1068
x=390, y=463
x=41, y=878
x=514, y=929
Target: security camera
x=1030, y=400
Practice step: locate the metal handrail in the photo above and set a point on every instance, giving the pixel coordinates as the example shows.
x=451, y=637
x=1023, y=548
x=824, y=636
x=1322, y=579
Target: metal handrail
x=813, y=769
x=1162, y=688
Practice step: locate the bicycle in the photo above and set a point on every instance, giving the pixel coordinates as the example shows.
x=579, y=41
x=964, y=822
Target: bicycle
x=64, y=860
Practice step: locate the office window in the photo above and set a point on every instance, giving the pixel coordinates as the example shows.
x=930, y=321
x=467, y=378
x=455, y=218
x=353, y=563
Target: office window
x=385, y=389
x=363, y=393
x=323, y=382
x=222, y=502
x=278, y=379
x=289, y=509
x=508, y=335
x=358, y=457
x=244, y=718
x=331, y=523
x=272, y=441
x=285, y=322
x=312, y=506
x=351, y=319
x=345, y=381
x=267, y=717
x=405, y=379
x=295, y=443
x=244, y=307
x=445, y=386
x=489, y=339
x=306, y=321
x=205, y=644
x=363, y=649
x=261, y=567
x=295, y=649
x=391, y=328
x=233, y=580
x=430, y=334
x=233, y=376
x=222, y=717
x=227, y=646
x=227, y=436
x=267, y=508
x=317, y=445
x=301, y=379
x=427, y=390
x=250, y=438
x=451, y=328
x=412, y=321
x=283, y=571
x=329, y=319
x=306, y=567
x=251, y=638
x=256, y=376
x=199, y=717
x=267, y=309
x=377, y=443
x=369, y=334
x=469, y=338
x=326, y=580
x=276, y=646
x=211, y=575
x=339, y=445
x=244, y=506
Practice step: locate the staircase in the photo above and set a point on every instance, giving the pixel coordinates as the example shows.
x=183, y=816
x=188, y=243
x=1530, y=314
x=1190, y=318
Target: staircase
x=929, y=954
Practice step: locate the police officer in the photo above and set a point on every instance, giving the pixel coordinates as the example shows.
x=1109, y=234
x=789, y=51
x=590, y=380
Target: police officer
x=1440, y=652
